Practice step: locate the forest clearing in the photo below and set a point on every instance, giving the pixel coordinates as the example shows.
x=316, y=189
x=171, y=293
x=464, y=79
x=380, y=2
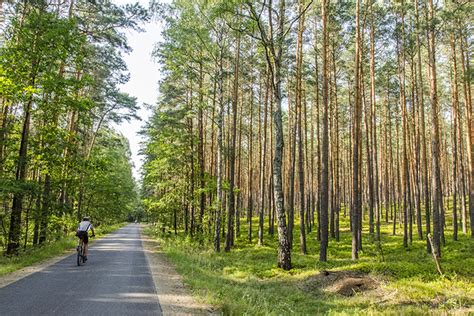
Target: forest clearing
x=299, y=157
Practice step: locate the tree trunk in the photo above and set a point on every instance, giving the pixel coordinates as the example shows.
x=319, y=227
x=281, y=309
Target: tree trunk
x=325, y=145
x=202, y=195
x=263, y=166
x=470, y=130
x=455, y=106
x=292, y=128
x=299, y=92
x=274, y=62
x=238, y=209
x=435, y=144
x=220, y=122
x=424, y=154
x=45, y=208
x=356, y=207
x=405, y=153
x=336, y=160
x=17, y=205
x=235, y=100
x=373, y=123
x=250, y=169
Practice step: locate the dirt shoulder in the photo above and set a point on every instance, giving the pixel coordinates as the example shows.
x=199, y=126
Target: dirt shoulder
x=173, y=295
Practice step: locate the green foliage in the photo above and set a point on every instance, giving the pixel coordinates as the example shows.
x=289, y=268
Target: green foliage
x=166, y=152
x=187, y=54
x=110, y=184
x=61, y=67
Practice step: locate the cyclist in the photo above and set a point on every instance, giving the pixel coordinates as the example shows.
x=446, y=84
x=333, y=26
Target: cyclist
x=83, y=233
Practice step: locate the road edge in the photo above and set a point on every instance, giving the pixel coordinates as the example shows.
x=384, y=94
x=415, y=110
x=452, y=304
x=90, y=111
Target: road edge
x=173, y=295
x=17, y=275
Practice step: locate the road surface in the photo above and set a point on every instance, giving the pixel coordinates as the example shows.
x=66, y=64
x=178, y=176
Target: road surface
x=116, y=280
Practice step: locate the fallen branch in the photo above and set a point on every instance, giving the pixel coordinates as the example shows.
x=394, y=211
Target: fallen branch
x=434, y=251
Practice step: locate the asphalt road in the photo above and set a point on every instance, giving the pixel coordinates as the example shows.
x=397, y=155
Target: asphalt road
x=116, y=280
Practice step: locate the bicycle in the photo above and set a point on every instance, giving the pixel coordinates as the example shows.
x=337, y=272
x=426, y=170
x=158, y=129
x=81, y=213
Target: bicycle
x=80, y=252
x=81, y=258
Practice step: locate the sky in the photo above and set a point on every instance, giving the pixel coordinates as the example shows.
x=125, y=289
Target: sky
x=143, y=83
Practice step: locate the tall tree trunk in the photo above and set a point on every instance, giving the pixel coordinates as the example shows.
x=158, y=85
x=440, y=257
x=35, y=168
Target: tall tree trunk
x=356, y=207
x=37, y=216
x=424, y=154
x=45, y=208
x=250, y=168
x=417, y=140
x=470, y=130
x=263, y=165
x=3, y=133
x=274, y=54
x=318, y=134
x=220, y=130
x=336, y=184
x=192, y=166
x=299, y=92
x=370, y=177
x=435, y=144
x=325, y=145
x=272, y=196
x=292, y=128
x=17, y=205
x=202, y=195
x=386, y=152
x=239, y=204
x=373, y=122
x=462, y=184
x=405, y=153
x=235, y=100
x=455, y=106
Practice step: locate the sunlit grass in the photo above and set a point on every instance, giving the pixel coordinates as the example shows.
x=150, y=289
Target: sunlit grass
x=247, y=280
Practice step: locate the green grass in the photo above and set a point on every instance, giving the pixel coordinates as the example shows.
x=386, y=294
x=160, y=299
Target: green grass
x=247, y=280
x=33, y=255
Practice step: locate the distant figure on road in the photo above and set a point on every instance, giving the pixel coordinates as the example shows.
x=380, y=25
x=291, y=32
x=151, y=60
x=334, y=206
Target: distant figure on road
x=83, y=233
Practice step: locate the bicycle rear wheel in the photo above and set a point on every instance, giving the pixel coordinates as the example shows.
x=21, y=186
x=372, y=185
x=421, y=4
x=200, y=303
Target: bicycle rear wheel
x=80, y=253
x=79, y=259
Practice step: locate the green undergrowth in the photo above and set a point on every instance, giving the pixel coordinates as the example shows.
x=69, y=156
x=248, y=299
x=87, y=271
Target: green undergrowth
x=32, y=255
x=246, y=280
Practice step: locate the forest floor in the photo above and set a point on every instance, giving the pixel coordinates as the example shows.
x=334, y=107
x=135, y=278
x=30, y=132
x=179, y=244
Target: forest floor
x=246, y=280
x=30, y=259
